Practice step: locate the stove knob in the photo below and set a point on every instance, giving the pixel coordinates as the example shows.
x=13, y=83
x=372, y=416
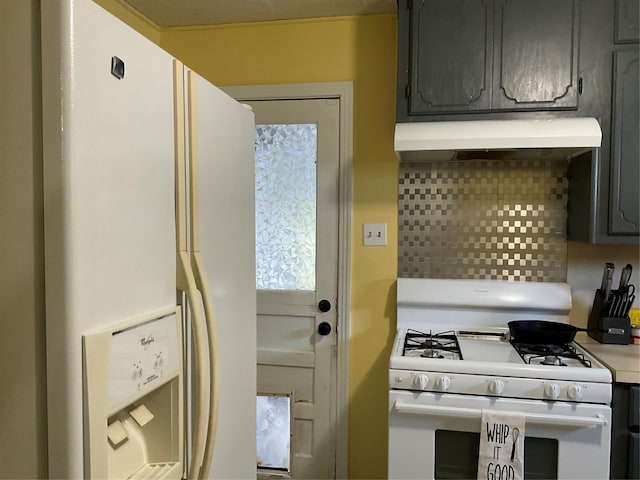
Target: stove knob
x=496, y=387
x=442, y=383
x=574, y=392
x=551, y=390
x=421, y=381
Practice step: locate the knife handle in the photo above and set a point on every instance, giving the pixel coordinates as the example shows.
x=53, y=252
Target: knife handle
x=627, y=307
x=605, y=274
x=625, y=276
x=607, y=288
x=613, y=306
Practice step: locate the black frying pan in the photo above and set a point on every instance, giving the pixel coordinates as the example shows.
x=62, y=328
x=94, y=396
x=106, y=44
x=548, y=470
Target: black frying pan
x=542, y=332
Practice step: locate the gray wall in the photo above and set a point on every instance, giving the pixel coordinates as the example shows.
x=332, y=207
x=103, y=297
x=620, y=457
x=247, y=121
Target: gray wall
x=23, y=433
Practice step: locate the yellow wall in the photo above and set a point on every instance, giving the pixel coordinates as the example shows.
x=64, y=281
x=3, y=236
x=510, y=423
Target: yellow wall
x=361, y=50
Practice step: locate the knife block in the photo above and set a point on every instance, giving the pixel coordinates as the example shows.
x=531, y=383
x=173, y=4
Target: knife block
x=605, y=329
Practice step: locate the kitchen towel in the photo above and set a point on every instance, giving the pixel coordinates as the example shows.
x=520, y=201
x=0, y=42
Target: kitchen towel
x=501, y=454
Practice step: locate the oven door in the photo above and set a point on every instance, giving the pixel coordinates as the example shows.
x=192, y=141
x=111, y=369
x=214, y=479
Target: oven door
x=438, y=436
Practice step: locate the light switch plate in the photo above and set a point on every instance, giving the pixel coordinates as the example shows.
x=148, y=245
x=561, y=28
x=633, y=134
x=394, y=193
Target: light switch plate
x=375, y=234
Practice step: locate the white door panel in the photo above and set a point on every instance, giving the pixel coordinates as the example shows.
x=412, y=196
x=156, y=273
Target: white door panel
x=286, y=333
x=293, y=358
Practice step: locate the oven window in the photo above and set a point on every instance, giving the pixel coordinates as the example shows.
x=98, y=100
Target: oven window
x=540, y=458
x=456, y=456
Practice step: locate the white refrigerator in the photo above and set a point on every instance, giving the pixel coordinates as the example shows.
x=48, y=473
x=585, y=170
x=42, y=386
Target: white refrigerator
x=136, y=269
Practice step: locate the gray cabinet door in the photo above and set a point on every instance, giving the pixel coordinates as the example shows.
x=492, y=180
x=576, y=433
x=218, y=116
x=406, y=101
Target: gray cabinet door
x=451, y=55
x=627, y=29
x=535, y=55
x=624, y=210
x=492, y=55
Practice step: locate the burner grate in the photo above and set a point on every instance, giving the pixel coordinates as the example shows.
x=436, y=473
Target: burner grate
x=431, y=343
x=549, y=354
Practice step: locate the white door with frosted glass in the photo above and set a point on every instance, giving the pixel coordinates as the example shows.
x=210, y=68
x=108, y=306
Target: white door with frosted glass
x=297, y=158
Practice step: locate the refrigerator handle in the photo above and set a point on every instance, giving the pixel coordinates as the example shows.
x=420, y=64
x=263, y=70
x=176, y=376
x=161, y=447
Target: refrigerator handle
x=187, y=284
x=185, y=280
x=202, y=283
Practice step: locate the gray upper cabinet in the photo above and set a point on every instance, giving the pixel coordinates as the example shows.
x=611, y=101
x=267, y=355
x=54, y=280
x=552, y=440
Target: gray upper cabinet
x=451, y=56
x=624, y=214
x=604, y=200
x=627, y=28
x=483, y=56
x=535, y=55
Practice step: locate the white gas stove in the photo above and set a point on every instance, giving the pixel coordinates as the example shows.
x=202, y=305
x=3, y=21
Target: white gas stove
x=452, y=358
x=484, y=362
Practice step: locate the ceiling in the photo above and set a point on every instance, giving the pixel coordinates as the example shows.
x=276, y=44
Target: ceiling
x=182, y=13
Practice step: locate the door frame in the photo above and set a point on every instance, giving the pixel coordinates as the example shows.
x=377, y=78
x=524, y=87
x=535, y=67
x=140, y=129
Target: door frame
x=343, y=92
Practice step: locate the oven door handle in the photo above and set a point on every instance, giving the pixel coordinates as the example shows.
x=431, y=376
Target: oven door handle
x=532, y=418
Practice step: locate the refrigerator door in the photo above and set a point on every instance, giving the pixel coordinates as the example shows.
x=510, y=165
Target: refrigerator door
x=221, y=149
x=109, y=196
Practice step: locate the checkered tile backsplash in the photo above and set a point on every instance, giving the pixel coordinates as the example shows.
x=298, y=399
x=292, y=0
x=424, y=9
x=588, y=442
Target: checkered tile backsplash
x=483, y=219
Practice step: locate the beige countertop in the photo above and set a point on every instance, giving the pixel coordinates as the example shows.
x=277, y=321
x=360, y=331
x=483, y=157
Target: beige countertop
x=622, y=360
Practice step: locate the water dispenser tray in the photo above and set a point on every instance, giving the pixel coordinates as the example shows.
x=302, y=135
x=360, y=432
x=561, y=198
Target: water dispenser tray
x=156, y=471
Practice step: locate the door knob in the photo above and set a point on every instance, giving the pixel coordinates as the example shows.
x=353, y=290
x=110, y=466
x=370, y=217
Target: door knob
x=324, y=329
x=324, y=305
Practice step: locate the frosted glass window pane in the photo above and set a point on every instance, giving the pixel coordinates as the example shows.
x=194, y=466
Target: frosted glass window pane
x=286, y=206
x=273, y=431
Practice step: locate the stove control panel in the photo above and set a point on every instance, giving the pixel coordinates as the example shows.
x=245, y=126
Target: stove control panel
x=513, y=387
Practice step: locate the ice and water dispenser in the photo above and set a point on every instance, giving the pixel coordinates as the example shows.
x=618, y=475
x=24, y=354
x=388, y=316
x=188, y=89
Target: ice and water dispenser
x=133, y=399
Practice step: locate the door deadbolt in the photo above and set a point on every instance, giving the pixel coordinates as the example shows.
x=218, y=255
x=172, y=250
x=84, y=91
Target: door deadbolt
x=324, y=329
x=324, y=306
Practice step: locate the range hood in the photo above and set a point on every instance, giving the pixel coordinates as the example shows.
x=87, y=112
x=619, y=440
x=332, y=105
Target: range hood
x=496, y=139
